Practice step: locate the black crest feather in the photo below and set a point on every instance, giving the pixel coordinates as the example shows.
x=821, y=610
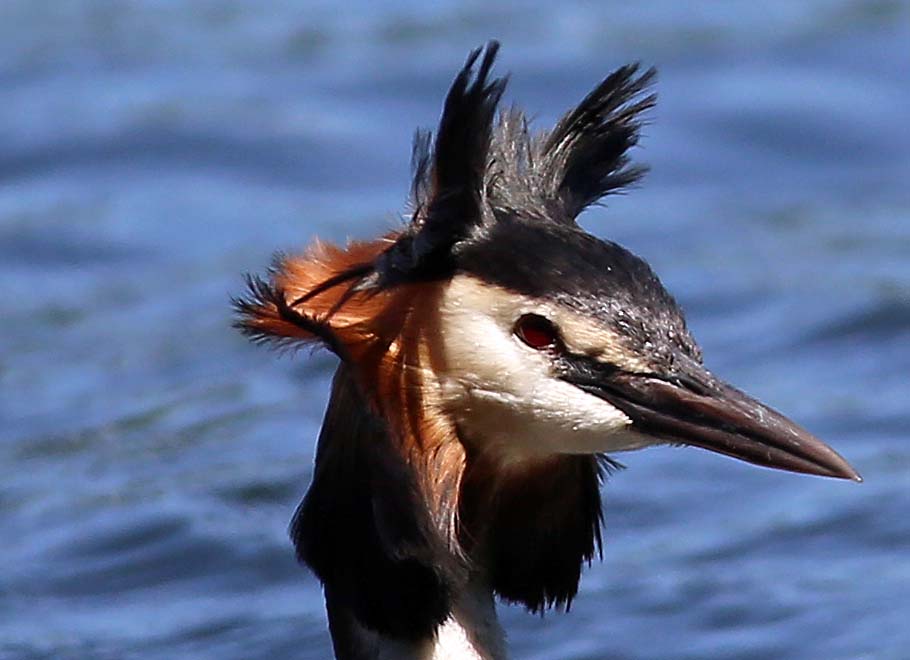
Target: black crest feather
x=585, y=157
x=449, y=180
x=478, y=170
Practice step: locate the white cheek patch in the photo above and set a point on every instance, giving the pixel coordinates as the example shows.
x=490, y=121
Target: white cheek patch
x=503, y=393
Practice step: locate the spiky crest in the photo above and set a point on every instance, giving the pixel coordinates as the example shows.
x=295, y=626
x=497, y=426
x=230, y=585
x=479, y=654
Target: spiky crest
x=586, y=156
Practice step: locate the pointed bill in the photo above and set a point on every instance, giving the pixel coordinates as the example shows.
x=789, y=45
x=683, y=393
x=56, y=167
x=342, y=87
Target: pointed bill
x=695, y=408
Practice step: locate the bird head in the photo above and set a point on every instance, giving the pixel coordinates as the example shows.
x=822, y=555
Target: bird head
x=533, y=336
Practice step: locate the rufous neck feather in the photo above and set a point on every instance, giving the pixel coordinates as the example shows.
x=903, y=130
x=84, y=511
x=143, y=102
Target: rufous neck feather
x=527, y=529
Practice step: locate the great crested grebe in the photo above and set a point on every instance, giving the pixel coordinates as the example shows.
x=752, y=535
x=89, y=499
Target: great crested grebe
x=491, y=354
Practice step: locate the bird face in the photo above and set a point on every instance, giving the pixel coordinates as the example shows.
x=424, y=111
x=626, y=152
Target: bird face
x=504, y=366
x=557, y=342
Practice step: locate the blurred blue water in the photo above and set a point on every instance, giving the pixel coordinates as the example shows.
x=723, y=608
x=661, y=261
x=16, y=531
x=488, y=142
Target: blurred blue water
x=152, y=151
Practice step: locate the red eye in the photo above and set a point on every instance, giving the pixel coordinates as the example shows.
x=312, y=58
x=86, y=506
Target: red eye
x=537, y=332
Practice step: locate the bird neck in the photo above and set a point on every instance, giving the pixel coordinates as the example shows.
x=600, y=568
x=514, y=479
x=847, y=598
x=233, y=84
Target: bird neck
x=470, y=632
x=412, y=533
